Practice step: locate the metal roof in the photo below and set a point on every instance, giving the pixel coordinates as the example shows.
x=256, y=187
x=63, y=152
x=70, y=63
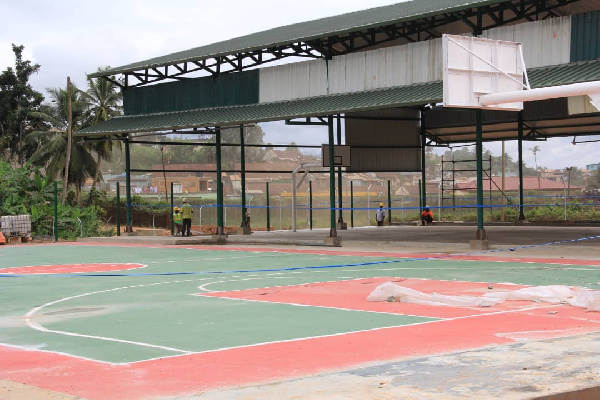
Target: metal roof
x=305, y=31
x=402, y=96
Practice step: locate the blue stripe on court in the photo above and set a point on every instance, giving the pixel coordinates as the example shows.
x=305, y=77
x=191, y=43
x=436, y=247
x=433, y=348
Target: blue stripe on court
x=240, y=271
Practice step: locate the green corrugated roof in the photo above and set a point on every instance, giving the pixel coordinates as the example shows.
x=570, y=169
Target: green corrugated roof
x=402, y=96
x=564, y=74
x=304, y=31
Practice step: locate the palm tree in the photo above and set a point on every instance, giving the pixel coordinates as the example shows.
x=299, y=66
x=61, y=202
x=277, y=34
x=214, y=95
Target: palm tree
x=52, y=153
x=535, y=150
x=103, y=101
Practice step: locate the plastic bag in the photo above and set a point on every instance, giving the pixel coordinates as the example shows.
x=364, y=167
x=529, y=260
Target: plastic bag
x=391, y=292
x=553, y=294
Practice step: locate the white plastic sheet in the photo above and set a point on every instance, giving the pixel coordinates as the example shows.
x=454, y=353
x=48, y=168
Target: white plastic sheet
x=554, y=294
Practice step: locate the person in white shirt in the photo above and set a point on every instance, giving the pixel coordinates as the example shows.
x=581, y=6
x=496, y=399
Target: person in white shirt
x=380, y=217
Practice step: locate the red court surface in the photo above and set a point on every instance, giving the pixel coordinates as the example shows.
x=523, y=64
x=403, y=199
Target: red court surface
x=458, y=329
x=71, y=268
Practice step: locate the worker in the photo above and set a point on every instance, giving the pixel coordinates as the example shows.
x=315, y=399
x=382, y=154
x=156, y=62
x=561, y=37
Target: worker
x=177, y=220
x=426, y=216
x=186, y=215
x=380, y=216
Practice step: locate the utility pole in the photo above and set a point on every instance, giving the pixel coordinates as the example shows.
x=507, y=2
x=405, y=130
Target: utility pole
x=69, y=140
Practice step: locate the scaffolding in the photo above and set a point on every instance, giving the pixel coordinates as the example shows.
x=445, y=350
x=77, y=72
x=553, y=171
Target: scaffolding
x=448, y=181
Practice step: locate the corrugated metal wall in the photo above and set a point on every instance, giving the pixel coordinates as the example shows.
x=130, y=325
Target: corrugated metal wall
x=392, y=145
x=387, y=67
x=585, y=36
x=226, y=90
x=545, y=42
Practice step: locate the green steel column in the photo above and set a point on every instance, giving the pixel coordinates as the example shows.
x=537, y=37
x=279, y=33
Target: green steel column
x=118, y=209
x=128, y=227
x=310, y=204
x=520, y=147
x=339, y=142
x=268, y=210
x=423, y=145
x=55, y=211
x=171, y=213
x=243, y=172
x=389, y=202
x=351, y=204
x=332, y=231
x=479, y=151
x=420, y=197
x=220, y=228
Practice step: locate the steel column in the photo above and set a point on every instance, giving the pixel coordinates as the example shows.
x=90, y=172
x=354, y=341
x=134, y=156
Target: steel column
x=340, y=202
x=478, y=152
x=520, y=150
x=332, y=231
x=423, y=145
x=220, y=227
x=128, y=227
x=243, y=175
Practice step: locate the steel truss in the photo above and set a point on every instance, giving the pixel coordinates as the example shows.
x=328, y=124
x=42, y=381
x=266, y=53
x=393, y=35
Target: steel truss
x=334, y=45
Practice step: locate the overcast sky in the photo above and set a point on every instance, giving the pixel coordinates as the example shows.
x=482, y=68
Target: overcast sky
x=74, y=37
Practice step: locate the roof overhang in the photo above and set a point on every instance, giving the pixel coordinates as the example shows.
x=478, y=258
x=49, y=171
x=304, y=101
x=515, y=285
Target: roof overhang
x=402, y=96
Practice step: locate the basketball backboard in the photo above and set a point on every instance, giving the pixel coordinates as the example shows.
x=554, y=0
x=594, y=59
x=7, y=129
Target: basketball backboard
x=475, y=67
x=341, y=155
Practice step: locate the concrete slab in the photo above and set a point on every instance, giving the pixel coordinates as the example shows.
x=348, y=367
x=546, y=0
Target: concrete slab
x=548, y=369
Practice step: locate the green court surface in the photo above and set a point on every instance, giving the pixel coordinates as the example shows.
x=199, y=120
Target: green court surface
x=140, y=316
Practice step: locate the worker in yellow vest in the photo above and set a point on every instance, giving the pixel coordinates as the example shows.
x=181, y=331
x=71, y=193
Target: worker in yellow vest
x=186, y=214
x=177, y=220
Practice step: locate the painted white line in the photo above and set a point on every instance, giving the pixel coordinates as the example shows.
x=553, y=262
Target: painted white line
x=27, y=318
x=36, y=349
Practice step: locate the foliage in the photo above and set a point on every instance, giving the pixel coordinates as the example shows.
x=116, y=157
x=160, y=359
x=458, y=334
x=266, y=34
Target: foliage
x=594, y=181
x=25, y=191
x=53, y=153
x=17, y=100
x=103, y=100
x=465, y=153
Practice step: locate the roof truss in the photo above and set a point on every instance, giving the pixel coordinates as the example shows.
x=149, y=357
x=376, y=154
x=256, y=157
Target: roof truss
x=475, y=19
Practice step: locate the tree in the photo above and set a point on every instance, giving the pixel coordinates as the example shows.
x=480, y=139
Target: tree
x=535, y=150
x=103, y=101
x=17, y=100
x=52, y=154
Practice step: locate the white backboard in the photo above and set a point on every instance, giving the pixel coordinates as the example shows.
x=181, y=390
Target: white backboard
x=474, y=67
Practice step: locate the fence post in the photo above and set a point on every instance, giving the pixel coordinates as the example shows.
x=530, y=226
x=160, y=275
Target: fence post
x=310, y=203
x=268, y=210
x=351, y=204
x=390, y=202
x=55, y=211
x=171, y=213
x=118, y=210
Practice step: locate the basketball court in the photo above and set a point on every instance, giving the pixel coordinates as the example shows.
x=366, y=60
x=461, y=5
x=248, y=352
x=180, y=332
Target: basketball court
x=137, y=321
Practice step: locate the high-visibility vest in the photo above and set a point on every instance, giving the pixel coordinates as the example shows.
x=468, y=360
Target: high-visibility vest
x=186, y=211
x=177, y=218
